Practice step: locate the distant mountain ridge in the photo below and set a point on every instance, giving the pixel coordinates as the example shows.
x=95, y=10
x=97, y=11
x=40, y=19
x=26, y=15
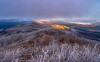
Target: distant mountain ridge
x=4, y=24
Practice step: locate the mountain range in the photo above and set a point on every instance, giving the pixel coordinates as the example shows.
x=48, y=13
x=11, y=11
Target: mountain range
x=36, y=42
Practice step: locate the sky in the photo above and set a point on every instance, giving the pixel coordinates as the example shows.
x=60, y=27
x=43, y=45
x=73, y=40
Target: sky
x=50, y=8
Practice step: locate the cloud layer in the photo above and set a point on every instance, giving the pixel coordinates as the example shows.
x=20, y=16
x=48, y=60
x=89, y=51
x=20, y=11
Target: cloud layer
x=46, y=8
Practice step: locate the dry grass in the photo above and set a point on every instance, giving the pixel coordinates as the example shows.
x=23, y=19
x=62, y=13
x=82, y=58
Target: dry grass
x=51, y=45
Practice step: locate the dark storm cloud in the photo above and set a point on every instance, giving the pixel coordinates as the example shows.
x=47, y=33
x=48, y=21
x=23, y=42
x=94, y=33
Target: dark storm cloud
x=45, y=8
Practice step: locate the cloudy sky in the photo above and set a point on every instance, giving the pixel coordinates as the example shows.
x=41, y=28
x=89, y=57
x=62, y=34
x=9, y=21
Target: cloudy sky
x=50, y=8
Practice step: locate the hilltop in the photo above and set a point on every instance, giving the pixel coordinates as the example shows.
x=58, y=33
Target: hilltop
x=42, y=43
